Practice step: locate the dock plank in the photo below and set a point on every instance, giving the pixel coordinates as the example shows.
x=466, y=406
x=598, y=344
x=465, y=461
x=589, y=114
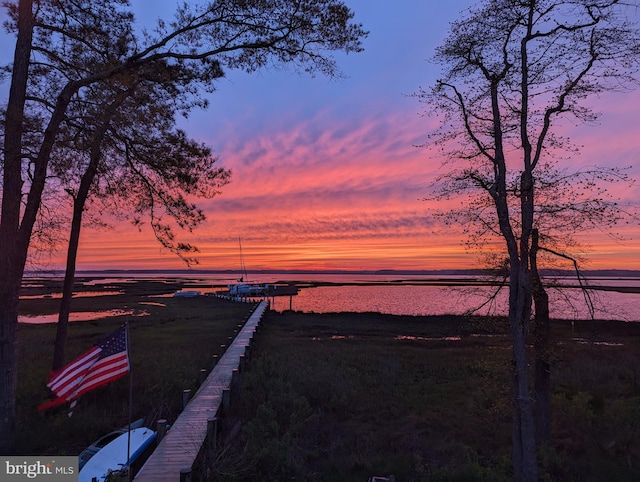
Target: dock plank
x=181, y=445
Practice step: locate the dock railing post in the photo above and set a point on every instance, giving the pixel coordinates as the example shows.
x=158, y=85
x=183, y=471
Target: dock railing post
x=226, y=395
x=186, y=396
x=212, y=433
x=161, y=429
x=235, y=379
x=185, y=474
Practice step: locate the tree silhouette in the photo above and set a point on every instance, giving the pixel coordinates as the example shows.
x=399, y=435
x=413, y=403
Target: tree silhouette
x=512, y=71
x=99, y=44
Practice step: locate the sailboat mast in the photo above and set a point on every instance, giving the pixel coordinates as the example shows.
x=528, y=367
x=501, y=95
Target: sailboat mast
x=243, y=268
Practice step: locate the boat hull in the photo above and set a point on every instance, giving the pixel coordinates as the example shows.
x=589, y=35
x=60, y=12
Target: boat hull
x=113, y=456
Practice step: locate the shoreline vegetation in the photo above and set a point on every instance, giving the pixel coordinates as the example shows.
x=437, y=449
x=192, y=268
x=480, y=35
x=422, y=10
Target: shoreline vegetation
x=342, y=396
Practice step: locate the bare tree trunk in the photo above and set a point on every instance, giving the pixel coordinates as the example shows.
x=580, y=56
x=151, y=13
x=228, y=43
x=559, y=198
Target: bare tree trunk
x=13, y=256
x=525, y=463
x=524, y=451
x=8, y=361
x=542, y=372
x=79, y=203
x=67, y=288
x=542, y=387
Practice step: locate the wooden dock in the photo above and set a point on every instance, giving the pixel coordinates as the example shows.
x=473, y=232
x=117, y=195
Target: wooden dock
x=180, y=447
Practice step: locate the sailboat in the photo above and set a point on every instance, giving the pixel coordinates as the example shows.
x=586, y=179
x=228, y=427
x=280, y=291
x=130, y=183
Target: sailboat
x=243, y=287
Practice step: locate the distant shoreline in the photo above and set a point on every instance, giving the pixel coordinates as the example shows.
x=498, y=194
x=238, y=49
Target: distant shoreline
x=197, y=278
x=598, y=273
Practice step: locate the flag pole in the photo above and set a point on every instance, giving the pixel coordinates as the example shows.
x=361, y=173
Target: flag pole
x=126, y=324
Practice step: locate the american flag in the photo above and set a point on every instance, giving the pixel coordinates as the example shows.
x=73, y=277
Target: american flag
x=104, y=363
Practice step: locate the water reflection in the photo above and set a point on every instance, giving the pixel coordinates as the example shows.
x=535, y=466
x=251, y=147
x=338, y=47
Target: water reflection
x=582, y=341
x=78, y=316
x=79, y=294
x=428, y=338
x=106, y=281
x=442, y=300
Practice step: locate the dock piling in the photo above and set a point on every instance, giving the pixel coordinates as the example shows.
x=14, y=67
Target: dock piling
x=186, y=395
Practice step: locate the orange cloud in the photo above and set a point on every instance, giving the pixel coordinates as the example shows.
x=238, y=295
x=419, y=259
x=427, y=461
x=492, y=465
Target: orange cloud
x=327, y=192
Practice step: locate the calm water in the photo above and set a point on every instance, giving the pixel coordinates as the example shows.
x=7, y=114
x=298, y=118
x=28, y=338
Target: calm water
x=75, y=316
x=437, y=300
x=406, y=299
x=566, y=303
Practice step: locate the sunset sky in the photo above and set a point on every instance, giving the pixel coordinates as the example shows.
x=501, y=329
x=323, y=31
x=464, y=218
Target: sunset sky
x=326, y=173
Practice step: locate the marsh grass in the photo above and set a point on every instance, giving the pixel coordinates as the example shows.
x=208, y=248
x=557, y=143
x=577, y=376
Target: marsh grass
x=168, y=347
x=347, y=396
x=341, y=397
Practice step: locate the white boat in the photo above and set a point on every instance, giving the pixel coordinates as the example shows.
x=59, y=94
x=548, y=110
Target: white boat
x=242, y=288
x=187, y=294
x=247, y=289
x=113, y=456
x=99, y=444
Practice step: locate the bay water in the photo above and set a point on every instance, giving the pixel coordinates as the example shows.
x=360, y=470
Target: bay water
x=402, y=294
x=422, y=295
